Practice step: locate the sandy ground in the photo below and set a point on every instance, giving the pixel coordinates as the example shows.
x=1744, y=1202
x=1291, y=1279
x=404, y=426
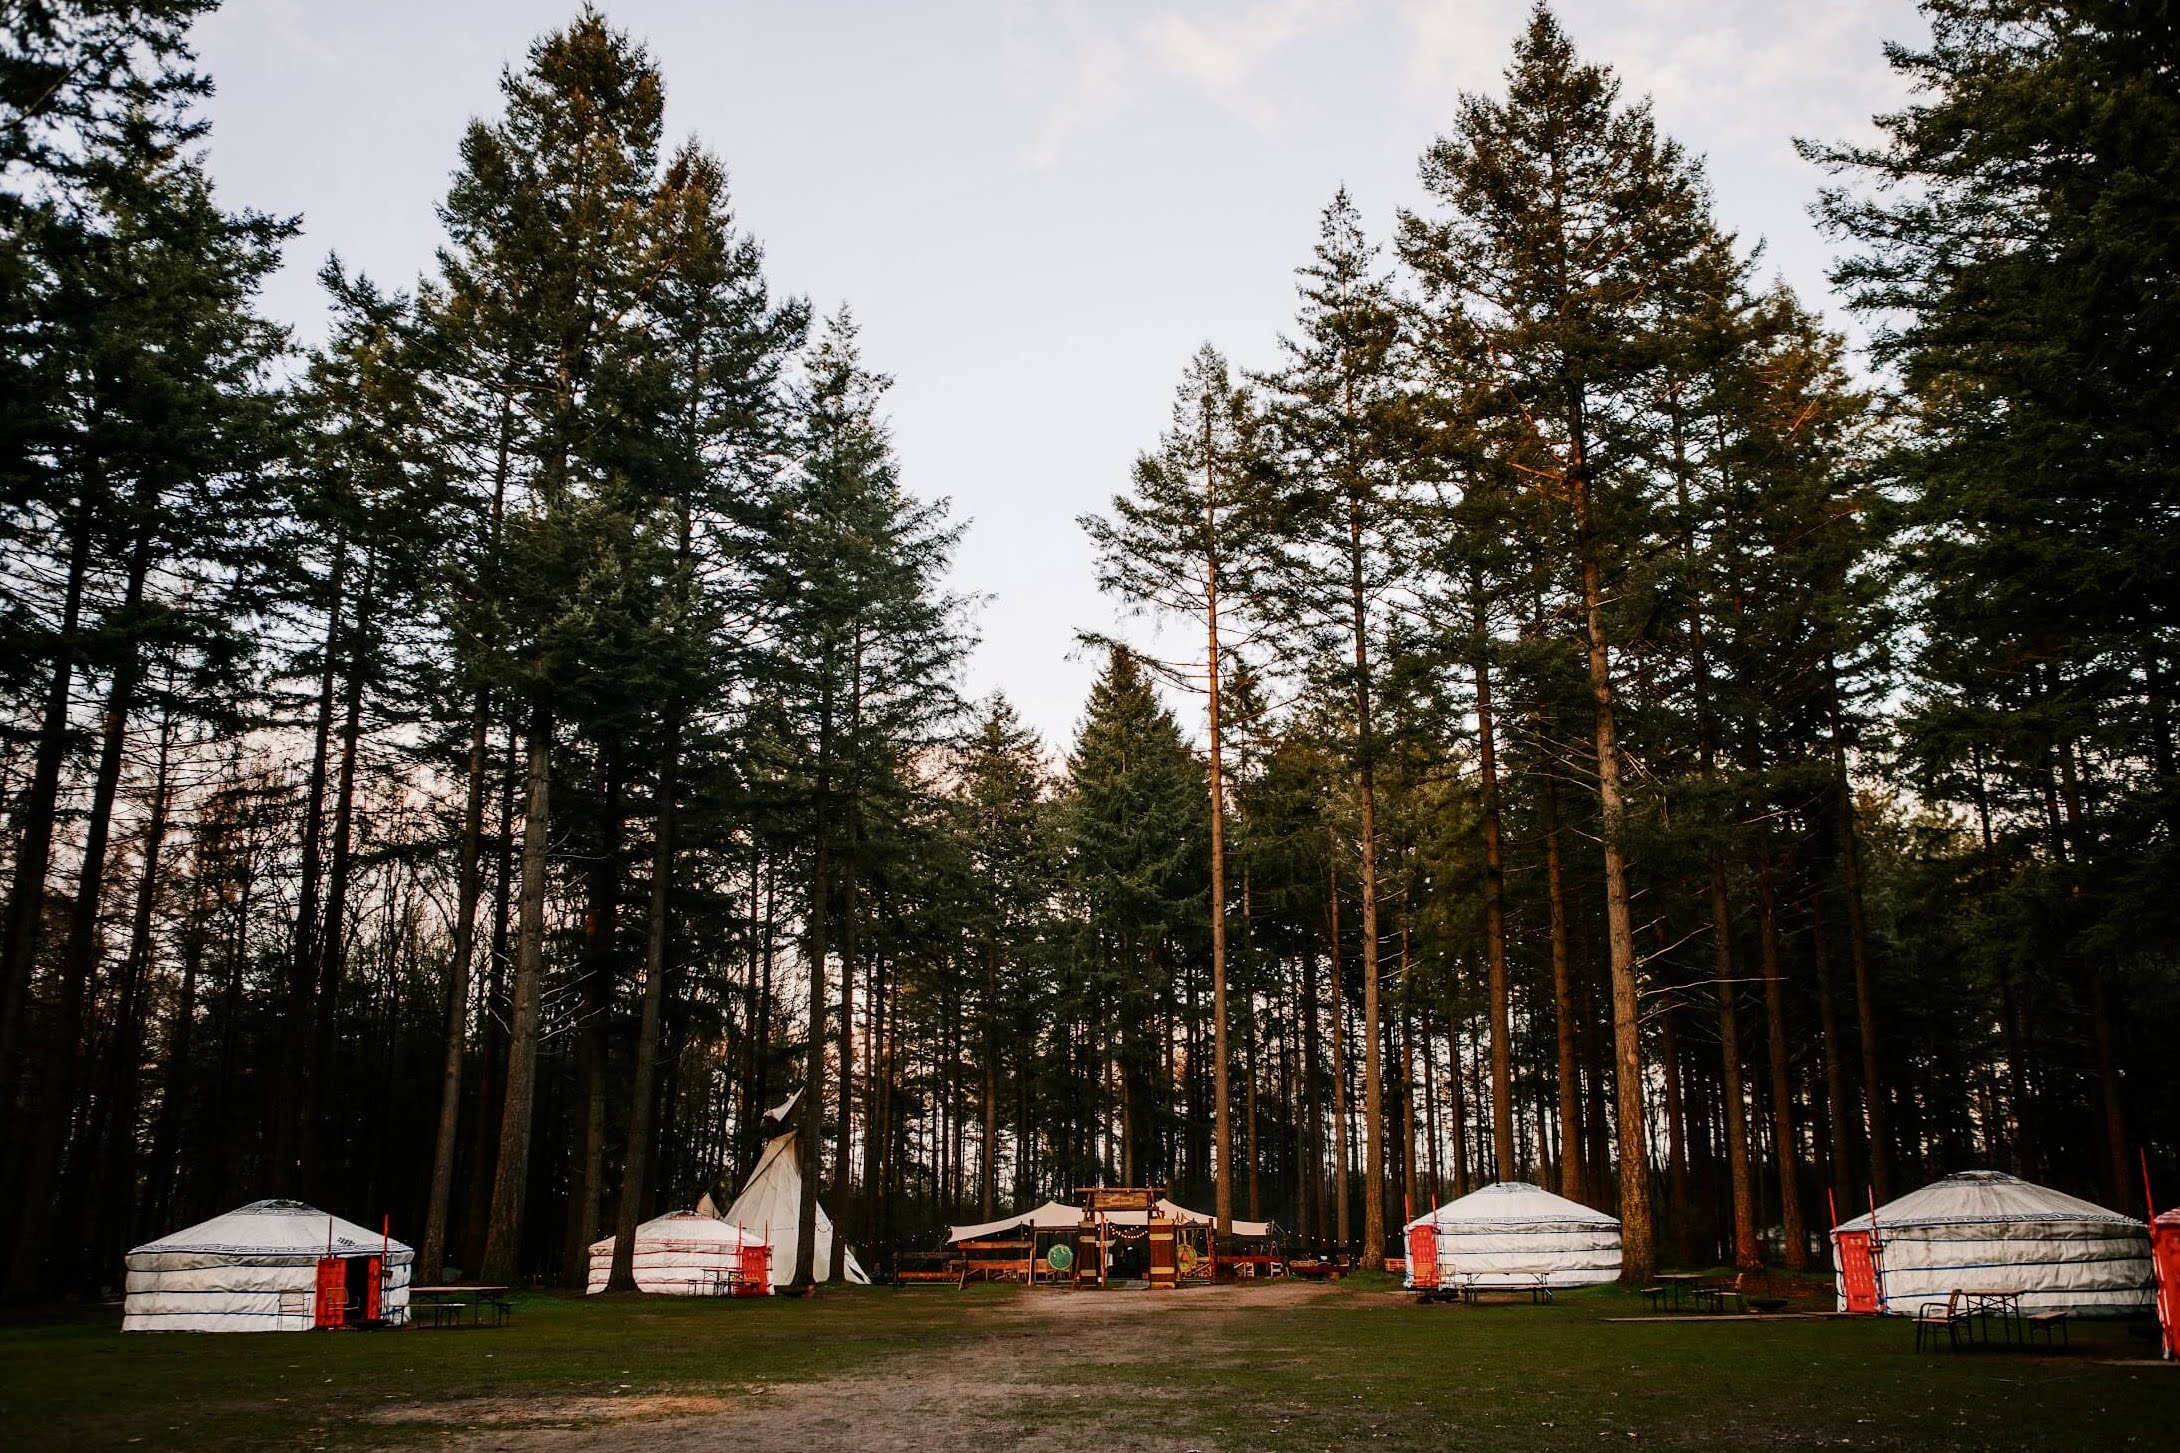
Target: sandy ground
x=997, y=1390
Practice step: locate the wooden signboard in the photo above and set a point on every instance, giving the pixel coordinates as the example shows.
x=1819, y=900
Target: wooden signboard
x=1097, y=1199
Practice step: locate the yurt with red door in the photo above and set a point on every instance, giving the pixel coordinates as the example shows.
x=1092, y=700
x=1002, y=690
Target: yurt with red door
x=689, y=1254
x=272, y=1266
x=1512, y=1230
x=1984, y=1228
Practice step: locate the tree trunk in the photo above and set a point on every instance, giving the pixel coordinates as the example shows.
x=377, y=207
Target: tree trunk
x=333, y=946
x=510, y=1180
x=1573, y=1184
x=291, y=1115
x=813, y=1072
x=1835, y=1069
x=1221, y=1114
x=622, y=1278
x=471, y=887
x=1787, y=1145
x=586, y=1189
x=1373, y=1251
x=850, y=926
x=1502, y=1049
x=1858, y=949
x=491, y=1032
x=1680, y=1207
x=63, y=1058
x=1748, y=1254
x=36, y=816
x=1638, y=1251
x=114, y=1139
x=1339, y=1076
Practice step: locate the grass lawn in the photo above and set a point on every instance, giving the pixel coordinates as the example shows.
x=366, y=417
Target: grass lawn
x=1352, y=1366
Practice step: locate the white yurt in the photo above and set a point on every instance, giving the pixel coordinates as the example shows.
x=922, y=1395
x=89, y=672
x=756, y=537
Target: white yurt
x=680, y=1254
x=1986, y=1229
x=259, y=1269
x=1516, y=1231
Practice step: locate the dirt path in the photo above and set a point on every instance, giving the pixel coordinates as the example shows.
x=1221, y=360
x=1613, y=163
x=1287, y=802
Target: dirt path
x=1002, y=1388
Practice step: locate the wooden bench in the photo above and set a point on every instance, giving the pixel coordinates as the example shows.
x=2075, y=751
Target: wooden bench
x=1539, y=1294
x=995, y=1261
x=2043, y=1324
x=928, y=1268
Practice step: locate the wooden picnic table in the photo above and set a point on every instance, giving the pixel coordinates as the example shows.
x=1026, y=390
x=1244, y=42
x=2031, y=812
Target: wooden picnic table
x=1678, y=1284
x=439, y=1304
x=2004, y=1303
x=1515, y=1279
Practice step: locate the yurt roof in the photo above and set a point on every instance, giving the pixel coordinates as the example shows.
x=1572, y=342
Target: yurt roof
x=687, y=1230
x=1514, y=1203
x=1974, y=1197
x=272, y=1228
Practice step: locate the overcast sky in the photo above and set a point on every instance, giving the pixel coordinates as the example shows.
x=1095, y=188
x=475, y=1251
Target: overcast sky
x=1037, y=210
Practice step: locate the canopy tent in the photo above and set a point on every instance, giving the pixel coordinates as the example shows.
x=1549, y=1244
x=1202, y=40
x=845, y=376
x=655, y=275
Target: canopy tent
x=680, y=1254
x=1984, y=1228
x=770, y=1206
x=1173, y=1211
x=1058, y=1216
x=1051, y=1216
x=1516, y=1230
x=257, y=1269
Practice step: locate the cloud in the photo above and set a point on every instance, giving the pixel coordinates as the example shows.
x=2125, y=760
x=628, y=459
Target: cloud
x=1458, y=45
x=1220, y=56
x=1071, y=72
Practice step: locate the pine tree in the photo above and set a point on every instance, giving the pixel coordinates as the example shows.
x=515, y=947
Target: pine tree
x=862, y=652
x=1566, y=220
x=1347, y=518
x=2018, y=239
x=147, y=412
x=1187, y=542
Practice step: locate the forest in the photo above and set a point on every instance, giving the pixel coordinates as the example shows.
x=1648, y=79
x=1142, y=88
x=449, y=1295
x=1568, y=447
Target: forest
x=1605, y=730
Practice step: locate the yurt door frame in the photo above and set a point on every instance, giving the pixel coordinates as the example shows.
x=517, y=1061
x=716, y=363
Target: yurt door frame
x=333, y=1298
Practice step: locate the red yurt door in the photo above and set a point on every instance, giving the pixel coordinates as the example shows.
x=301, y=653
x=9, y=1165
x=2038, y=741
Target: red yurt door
x=754, y=1276
x=1423, y=1255
x=1858, y=1273
x=332, y=1292
x=2165, y=1256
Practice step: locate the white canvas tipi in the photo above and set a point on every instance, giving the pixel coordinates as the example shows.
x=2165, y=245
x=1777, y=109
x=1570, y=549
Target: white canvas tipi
x=770, y=1206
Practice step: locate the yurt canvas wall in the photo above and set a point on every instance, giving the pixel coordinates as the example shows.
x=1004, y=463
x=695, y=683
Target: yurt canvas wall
x=254, y=1270
x=682, y=1253
x=1512, y=1231
x=770, y=1207
x=1987, y=1229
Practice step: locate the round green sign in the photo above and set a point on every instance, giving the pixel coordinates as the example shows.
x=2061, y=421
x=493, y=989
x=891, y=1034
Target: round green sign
x=1059, y=1258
